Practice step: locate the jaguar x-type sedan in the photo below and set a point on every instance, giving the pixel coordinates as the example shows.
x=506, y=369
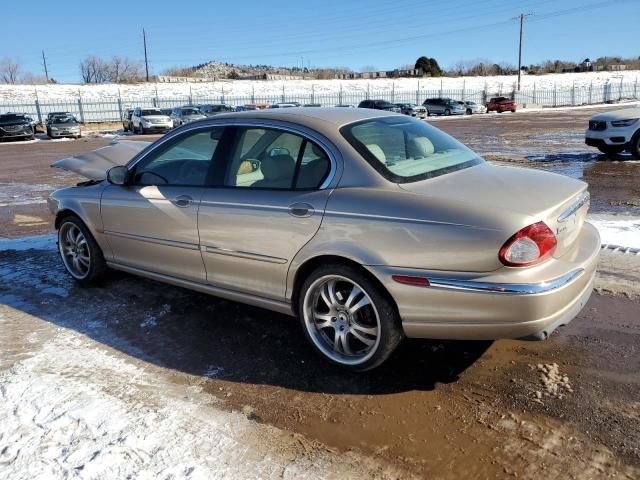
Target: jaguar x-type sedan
x=368, y=226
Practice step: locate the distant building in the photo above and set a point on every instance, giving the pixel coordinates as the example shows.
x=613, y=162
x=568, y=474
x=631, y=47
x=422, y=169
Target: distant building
x=414, y=72
x=271, y=76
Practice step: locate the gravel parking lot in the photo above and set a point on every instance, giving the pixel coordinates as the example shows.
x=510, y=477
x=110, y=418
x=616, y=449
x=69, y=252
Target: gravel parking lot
x=141, y=379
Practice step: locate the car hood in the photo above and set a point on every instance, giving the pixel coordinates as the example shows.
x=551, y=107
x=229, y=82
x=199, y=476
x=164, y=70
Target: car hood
x=63, y=125
x=94, y=165
x=621, y=114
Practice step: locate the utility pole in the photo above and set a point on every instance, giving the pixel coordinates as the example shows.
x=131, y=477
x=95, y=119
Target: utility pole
x=44, y=63
x=521, y=17
x=146, y=61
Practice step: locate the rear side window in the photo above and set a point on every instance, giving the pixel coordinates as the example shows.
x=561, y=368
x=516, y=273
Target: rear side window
x=407, y=150
x=274, y=159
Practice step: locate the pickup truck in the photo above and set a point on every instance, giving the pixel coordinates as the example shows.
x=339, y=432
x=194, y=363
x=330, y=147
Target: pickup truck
x=501, y=104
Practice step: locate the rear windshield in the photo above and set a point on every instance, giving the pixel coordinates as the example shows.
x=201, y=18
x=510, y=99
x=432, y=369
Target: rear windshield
x=151, y=111
x=190, y=111
x=406, y=150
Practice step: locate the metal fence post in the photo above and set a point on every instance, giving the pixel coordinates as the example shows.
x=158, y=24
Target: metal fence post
x=573, y=94
x=418, y=94
x=393, y=92
x=313, y=94
x=119, y=104
x=80, y=109
x=367, y=90
x=591, y=93
x=190, y=96
x=440, y=87
x=340, y=95
x=282, y=92
x=222, y=97
x=535, y=94
x=38, y=111
x=464, y=84
x=555, y=94
x=620, y=92
x=635, y=89
x=253, y=94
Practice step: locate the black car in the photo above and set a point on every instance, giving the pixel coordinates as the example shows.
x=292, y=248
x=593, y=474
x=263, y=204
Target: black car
x=213, y=109
x=16, y=125
x=379, y=105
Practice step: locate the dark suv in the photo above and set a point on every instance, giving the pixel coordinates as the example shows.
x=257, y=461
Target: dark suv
x=379, y=105
x=16, y=125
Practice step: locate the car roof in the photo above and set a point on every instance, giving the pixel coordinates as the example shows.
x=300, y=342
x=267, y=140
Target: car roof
x=310, y=116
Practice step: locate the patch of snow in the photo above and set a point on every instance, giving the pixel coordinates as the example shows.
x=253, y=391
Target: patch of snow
x=621, y=230
x=72, y=409
x=35, y=242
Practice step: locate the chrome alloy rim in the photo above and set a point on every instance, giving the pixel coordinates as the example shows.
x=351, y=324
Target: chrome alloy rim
x=341, y=319
x=74, y=250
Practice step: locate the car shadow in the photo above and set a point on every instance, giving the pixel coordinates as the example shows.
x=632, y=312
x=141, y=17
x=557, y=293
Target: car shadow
x=202, y=335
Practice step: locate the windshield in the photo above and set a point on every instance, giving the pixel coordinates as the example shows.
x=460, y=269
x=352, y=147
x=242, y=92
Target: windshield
x=191, y=111
x=64, y=119
x=407, y=150
x=12, y=117
x=151, y=111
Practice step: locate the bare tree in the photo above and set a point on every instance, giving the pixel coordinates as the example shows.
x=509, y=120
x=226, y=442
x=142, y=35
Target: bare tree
x=10, y=70
x=94, y=70
x=122, y=70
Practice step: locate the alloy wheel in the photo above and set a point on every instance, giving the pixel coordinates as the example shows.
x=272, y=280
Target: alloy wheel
x=341, y=320
x=74, y=250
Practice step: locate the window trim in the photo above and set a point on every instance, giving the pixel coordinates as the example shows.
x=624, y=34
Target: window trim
x=326, y=181
x=364, y=152
x=166, y=145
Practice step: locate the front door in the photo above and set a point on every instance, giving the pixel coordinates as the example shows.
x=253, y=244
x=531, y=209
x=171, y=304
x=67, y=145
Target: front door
x=268, y=206
x=152, y=222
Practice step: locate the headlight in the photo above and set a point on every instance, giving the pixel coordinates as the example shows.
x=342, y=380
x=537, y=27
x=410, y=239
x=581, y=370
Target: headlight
x=624, y=123
x=54, y=128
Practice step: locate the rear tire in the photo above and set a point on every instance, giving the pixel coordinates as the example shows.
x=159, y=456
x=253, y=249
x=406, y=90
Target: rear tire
x=513, y=111
x=350, y=321
x=81, y=255
x=468, y=112
x=447, y=112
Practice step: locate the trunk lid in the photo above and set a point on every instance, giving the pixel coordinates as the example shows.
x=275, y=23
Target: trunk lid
x=560, y=202
x=94, y=165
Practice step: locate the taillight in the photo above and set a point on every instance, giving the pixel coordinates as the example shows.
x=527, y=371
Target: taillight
x=530, y=245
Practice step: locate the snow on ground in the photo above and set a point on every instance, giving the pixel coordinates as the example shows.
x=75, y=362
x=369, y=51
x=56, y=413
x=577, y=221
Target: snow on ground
x=619, y=230
x=35, y=242
x=260, y=87
x=72, y=409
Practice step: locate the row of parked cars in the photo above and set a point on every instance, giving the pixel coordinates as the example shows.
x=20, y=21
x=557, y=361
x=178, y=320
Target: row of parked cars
x=22, y=126
x=442, y=106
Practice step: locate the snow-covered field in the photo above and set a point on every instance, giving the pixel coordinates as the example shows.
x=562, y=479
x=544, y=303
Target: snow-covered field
x=304, y=87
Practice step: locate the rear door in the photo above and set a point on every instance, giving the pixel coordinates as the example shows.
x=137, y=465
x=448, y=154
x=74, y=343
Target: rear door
x=270, y=202
x=152, y=223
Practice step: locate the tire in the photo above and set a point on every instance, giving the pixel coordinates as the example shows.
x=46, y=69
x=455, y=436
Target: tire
x=375, y=321
x=428, y=113
x=468, y=112
x=499, y=111
x=610, y=149
x=125, y=128
x=634, y=146
x=81, y=256
x=513, y=111
x=447, y=112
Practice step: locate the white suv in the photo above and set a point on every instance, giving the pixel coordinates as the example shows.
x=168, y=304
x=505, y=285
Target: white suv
x=145, y=120
x=614, y=132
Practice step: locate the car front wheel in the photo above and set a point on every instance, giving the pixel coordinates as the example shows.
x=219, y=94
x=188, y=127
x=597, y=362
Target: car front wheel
x=81, y=255
x=348, y=319
x=634, y=148
x=610, y=149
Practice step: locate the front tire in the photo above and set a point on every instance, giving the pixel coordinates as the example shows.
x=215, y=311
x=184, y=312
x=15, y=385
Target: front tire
x=81, y=256
x=468, y=112
x=634, y=146
x=349, y=320
x=610, y=149
x=447, y=112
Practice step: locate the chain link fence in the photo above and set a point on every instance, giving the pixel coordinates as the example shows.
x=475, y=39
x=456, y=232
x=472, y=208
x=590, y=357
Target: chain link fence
x=111, y=109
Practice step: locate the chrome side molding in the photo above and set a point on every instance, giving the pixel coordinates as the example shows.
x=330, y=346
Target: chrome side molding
x=585, y=197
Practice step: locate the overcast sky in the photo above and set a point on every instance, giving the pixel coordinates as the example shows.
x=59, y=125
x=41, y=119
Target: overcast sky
x=383, y=34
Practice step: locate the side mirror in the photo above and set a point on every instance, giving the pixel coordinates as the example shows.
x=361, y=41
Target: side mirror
x=117, y=175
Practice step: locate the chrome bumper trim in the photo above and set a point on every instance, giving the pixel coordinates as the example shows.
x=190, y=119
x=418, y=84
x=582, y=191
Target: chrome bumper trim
x=507, y=288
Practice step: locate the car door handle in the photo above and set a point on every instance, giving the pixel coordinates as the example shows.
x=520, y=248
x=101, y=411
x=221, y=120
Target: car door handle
x=301, y=210
x=182, y=201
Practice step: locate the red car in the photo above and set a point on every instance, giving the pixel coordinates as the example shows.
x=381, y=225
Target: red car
x=501, y=104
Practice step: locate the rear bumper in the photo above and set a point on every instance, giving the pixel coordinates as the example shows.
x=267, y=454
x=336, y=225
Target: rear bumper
x=498, y=305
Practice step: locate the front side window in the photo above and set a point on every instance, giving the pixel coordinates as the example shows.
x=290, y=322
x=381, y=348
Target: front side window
x=274, y=159
x=407, y=150
x=184, y=162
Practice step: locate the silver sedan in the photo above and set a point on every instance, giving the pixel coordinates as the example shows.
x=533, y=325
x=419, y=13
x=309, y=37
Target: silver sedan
x=368, y=226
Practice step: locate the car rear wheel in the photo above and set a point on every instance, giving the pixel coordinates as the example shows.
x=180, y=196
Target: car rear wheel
x=348, y=319
x=447, y=112
x=513, y=111
x=468, y=112
x=81, y=255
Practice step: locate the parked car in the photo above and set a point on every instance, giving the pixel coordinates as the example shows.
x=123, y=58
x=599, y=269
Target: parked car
x=443, y=106
x=166, y=111
x=148, y=120
x=366, y=225
x=345, y=105
x=313, y=105
x=126, y=119
x=284, y=105
x=15, y=125
x=473, y=107
x=412, y=110
x=213, y=109
x=616, y=131
x=63, y=126
x=379, y=105
x=501, y=104
x=186, y=114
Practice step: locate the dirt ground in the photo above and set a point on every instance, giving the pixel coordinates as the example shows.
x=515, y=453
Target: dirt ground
x=568, y=407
